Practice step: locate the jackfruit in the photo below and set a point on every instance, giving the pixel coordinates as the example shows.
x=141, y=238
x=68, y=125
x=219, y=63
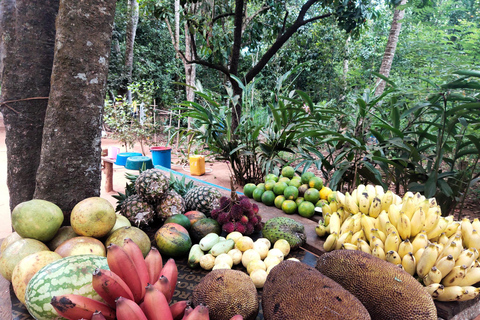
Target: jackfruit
x=285, y=228
x=226, y=293
x=295, y=290
x=387, y=291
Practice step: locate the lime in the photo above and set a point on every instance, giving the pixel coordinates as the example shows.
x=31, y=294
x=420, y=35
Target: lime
x=279, y=200
x=306, y=209
x=299, y=200
x=306, y=176
x=271, y=176
x=290, y=193
x=289, y=206
x=325, y=192
x=268, y=198
x=295, y=182
x=248, y=189
x=312, y=195
x=257, y=194
x=288, y=172
x=269, y=184
x=315, y=182
x=279, y=187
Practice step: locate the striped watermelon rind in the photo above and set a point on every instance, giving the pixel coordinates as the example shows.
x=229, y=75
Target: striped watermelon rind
x=71, y=274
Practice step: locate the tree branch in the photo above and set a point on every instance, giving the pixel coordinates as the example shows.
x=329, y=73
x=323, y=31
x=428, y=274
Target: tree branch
x=237, y=37
x=249, y=19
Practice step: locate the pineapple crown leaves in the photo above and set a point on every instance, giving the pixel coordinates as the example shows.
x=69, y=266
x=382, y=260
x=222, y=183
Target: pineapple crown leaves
x=180, y=185
x=129, y=191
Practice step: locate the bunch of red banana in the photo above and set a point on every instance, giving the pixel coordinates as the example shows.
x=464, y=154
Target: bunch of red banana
x=134, y=288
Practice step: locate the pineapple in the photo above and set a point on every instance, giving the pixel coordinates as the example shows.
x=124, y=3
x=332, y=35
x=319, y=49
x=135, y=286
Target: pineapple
x=151, y=185
x=171, y=204
x=203, y=199
x=139, y=212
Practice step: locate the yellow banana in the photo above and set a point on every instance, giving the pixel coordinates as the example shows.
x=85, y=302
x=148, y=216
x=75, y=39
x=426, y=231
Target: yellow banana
x=379, y=191
x=445, y=264
x=320, y=229
x=443, y=239
x=418, y=254
x=452, y=228
x=346, y=237
x=357, y=223
x=362, y=245
x=454, y=277
x=458, y=293
x=381, y=221
x=376, y=241
x=326, y=219
x=330, y=242
x=375, y=207
x=427, y=260
x=453, y=249
x=419, y=198
x=349, y=246
x=379, y=234
x=370, y=189
x=474, y=239
x=409, y=264
x=433, y=276
x=404, y=227
x=347, y=225
x=387, y=200
x=466, y=258
x=390, y=228
x=358, y=235
x=350, y=203
x=432, y=202
x=417, y=221
x=435, y=289
x=360, y=189
x=340, y=198
x=367, y=225
x=476, y=224
x=420, y=241
x=363, y=202
x=393, y=257
x=334, y=223
x=405, y=247
x=378, y=252
x=408, y=206
x=476, y=253
x=394, y=214
x=431, y=219
x=392, y=242
x=333, y=206
x=326, y=209
x=472, y=277
x=440, y=247
x=397, y=199
x=440, y=226
x=467, y=228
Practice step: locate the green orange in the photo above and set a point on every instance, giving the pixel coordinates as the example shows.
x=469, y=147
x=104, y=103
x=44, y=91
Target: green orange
x=299, y=200
x=306, y=209
x=257, y=194
x=271, y=176
x=289, y=206
x=288, y=172
x=248, y=189
x=315, y=182
x=284, y=179
x=312, y=195
x=295, y=182
x=268, y=198
x=279, y=187
x=269, y=184
x=306, y=176
x=290, y=193
x=278, y=201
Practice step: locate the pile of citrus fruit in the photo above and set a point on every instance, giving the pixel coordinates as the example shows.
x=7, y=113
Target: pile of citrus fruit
x=291, y=192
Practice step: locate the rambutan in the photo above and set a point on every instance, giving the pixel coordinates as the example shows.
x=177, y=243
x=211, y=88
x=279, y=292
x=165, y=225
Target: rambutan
x=228, y=227
x=215, y=212
x=249, y=229
x=255, y=208
x=225, y=203
x=254, y=220
x=245, y=204
x=223, y=218
x=240, y=198
x=237, y=212
x=240, y=228
x=244, y=219
x=259, y=218
x=258, y=227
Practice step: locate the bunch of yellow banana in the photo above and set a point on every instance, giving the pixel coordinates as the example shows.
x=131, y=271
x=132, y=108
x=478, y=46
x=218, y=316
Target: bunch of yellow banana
x=410, y=232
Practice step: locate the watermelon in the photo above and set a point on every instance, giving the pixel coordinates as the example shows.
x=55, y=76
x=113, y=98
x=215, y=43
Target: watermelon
x=71, y=274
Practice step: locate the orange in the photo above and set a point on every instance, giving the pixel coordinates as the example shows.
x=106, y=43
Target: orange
x=306, y=176
x=271, y=176
x=306, y=209
x=279, y=187
x=315, y=182
x=257, y=194
x=312, y=195
x=269, y=184
x=268, y=198
x=290, y=193
x=288, y=172
x=248, y=189
x=289, y=206
x=278, y=201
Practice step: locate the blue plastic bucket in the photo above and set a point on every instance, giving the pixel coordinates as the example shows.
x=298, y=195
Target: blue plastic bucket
x=122, y=157
x=137, y=162
x=162, y=156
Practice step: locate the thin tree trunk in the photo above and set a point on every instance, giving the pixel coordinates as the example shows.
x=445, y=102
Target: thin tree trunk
x=69, y=168
x=28, y=42
x=130, y=42
x=390, y=48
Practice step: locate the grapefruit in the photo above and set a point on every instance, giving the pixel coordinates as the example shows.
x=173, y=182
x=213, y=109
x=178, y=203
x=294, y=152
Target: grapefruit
x=173, y=240
x=93, y=217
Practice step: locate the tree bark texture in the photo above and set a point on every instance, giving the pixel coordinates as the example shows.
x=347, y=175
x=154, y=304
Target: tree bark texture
x=70, y=169
x=28, y=32
x=390, y=48
x=132, y=24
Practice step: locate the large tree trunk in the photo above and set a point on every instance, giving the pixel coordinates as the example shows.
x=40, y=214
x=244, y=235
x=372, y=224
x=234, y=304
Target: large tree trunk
x=28, y=32
x=387, y=60
x=130, y=42
x=69, y=168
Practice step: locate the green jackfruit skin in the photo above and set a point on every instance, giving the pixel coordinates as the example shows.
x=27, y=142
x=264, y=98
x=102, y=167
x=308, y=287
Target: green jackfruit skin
x=294, y=290
x=285, y=228
x=387, y=291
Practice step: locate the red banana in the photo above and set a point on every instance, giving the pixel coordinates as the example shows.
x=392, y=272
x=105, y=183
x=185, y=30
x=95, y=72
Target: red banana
x=236, y=317
x=110, y=286
x=121, y=264
x=199, y=313
x=74, y=306
x=187, y=311
x=154, y=264
x=135, y=253
x=129, y=310
x=170, y=271
x=97, y=315
x=163, y=285
x=156, y=305
x=178, y=309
